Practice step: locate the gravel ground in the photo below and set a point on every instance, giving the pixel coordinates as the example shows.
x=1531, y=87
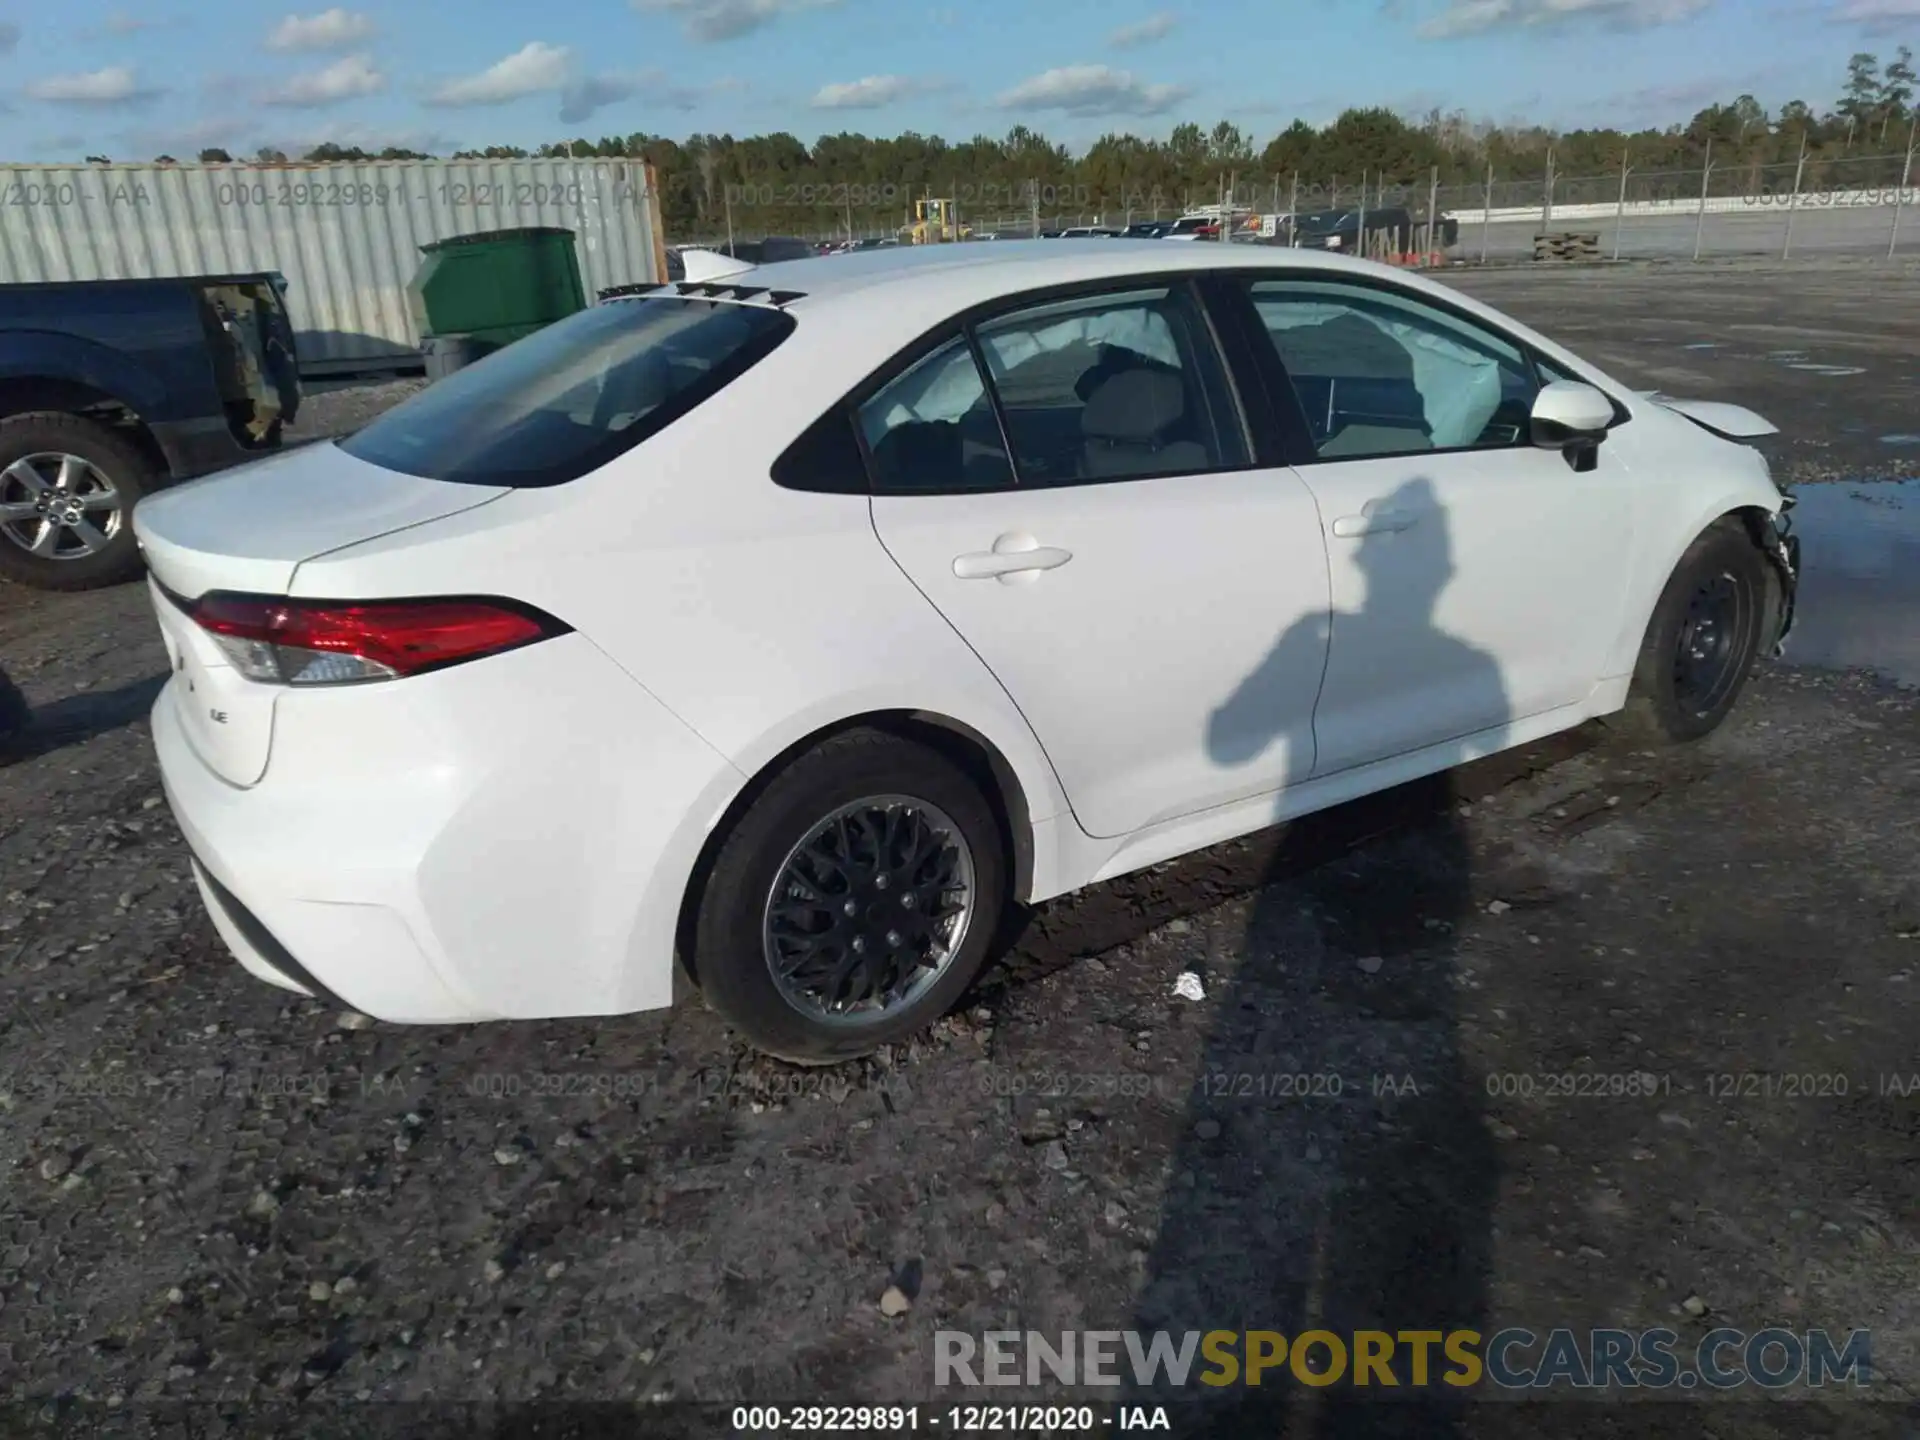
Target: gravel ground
x=213, y=1192
x=327, y=413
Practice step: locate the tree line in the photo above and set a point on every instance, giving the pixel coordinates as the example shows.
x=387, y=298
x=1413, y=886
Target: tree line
x=776, y=182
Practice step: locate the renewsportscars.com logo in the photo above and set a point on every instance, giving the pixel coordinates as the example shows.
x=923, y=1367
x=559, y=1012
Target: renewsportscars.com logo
x=1510, y=1359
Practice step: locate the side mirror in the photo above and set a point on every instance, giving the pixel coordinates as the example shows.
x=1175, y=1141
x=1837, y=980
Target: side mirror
x=1573, y=419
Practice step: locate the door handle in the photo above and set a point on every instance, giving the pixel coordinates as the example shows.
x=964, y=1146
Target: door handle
x=1378, y=522
x=1013, y=555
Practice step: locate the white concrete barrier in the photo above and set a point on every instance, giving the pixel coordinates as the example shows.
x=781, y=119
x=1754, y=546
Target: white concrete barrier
x=1764, y=204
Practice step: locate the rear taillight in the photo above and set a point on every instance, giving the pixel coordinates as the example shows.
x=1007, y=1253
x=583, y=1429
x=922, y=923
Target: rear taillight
x=331, y=642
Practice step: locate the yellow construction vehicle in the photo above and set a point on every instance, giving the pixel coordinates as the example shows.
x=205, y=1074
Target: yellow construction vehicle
x=936, y=222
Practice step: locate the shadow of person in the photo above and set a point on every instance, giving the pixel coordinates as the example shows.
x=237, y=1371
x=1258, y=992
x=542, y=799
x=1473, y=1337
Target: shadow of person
x=27, y=733
x=1334, y=1173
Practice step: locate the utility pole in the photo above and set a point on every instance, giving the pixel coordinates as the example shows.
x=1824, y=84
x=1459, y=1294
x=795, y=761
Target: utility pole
x=1700, y=221
x=1900, y=192
x=1793, y=205
x=1486, y=215
x=1433, y=213
x=1620, y=210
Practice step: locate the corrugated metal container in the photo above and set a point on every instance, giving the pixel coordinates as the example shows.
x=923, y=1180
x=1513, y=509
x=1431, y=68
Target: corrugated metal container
x=346, y=236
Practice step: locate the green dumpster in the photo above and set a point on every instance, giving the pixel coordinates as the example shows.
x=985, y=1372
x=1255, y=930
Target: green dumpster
x=488, y=290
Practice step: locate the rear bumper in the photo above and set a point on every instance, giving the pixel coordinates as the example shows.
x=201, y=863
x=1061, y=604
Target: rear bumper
x=252, y=944
x=509, y=839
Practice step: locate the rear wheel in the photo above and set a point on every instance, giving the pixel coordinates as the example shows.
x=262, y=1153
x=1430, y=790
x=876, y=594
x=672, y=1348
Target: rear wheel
x=67, y=491
x=854, y=901
x=1702, y=641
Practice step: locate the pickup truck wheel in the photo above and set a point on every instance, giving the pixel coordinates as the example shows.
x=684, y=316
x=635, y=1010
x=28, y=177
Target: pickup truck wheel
x=67, y=491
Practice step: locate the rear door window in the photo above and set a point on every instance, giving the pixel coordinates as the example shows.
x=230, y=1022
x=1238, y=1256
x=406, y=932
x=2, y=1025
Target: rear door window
x=567, y=399
x=1112, y=386
x=933, y=429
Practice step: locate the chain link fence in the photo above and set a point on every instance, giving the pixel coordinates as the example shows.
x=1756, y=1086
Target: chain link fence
x=1854, y=205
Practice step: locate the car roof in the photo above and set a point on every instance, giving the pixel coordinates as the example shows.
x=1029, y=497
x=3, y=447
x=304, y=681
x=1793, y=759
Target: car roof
x=965, y=275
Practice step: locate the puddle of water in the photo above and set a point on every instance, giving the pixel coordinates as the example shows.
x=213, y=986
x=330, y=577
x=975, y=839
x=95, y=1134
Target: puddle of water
x=1829, y=369
x=1702, y=345
x=1900, y=439
x=1859, y=604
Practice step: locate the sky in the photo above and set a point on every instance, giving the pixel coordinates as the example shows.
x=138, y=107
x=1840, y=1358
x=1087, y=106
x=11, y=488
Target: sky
x=166, y=77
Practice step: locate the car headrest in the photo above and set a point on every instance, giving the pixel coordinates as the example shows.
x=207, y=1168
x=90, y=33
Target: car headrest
x=921, y=454
x=1135, y=406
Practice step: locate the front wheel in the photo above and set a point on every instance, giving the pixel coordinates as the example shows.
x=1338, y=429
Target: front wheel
x=68, y=486
x=1702, y=641
x=854, y=901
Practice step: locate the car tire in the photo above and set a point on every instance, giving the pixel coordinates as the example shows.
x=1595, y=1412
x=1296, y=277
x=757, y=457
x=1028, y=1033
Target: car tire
x=743, y=927
x=112, y=460
x=1702, y=642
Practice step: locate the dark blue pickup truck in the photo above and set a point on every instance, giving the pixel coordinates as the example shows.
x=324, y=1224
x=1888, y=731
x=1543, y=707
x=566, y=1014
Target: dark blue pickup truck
x=112, y=388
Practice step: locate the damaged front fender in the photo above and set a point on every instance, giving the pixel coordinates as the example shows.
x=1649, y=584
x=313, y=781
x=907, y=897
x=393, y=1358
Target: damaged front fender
x=1774, y=536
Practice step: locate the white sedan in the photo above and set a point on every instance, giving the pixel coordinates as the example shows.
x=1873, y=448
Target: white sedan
x=797, y=622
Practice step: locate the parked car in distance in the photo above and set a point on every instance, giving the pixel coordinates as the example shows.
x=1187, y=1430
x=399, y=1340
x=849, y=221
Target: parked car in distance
x=110, y=389
x=801, y=625
x=1148, y=229
x=1340, y=229
x=769, y=251
x=1090, y=232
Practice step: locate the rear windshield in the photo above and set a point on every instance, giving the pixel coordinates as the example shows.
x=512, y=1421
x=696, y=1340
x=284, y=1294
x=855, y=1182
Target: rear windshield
x=567, y=399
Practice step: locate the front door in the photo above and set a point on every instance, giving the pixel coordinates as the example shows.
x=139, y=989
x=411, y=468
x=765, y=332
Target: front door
x=1088, y=519
x=1474, y=576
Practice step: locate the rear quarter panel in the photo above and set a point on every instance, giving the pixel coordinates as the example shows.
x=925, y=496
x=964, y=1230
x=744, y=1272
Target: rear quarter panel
x=757, y=615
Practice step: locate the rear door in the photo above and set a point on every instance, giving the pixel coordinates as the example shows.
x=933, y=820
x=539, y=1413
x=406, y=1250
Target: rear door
x=1072, y=482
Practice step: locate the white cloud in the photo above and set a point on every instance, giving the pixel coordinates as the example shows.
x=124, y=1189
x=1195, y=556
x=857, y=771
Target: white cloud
x=580, y=99
x=1479, y=17
x=115, y=85
x=533, y=69
x=1880, y=17
x=329, y=30
x=1092, y=90
x=347, y=78
x=715, y=20
x=870, y=93
x=1143, y=32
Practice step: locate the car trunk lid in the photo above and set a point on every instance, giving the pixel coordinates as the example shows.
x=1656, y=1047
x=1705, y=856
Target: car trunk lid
x=248, y=530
